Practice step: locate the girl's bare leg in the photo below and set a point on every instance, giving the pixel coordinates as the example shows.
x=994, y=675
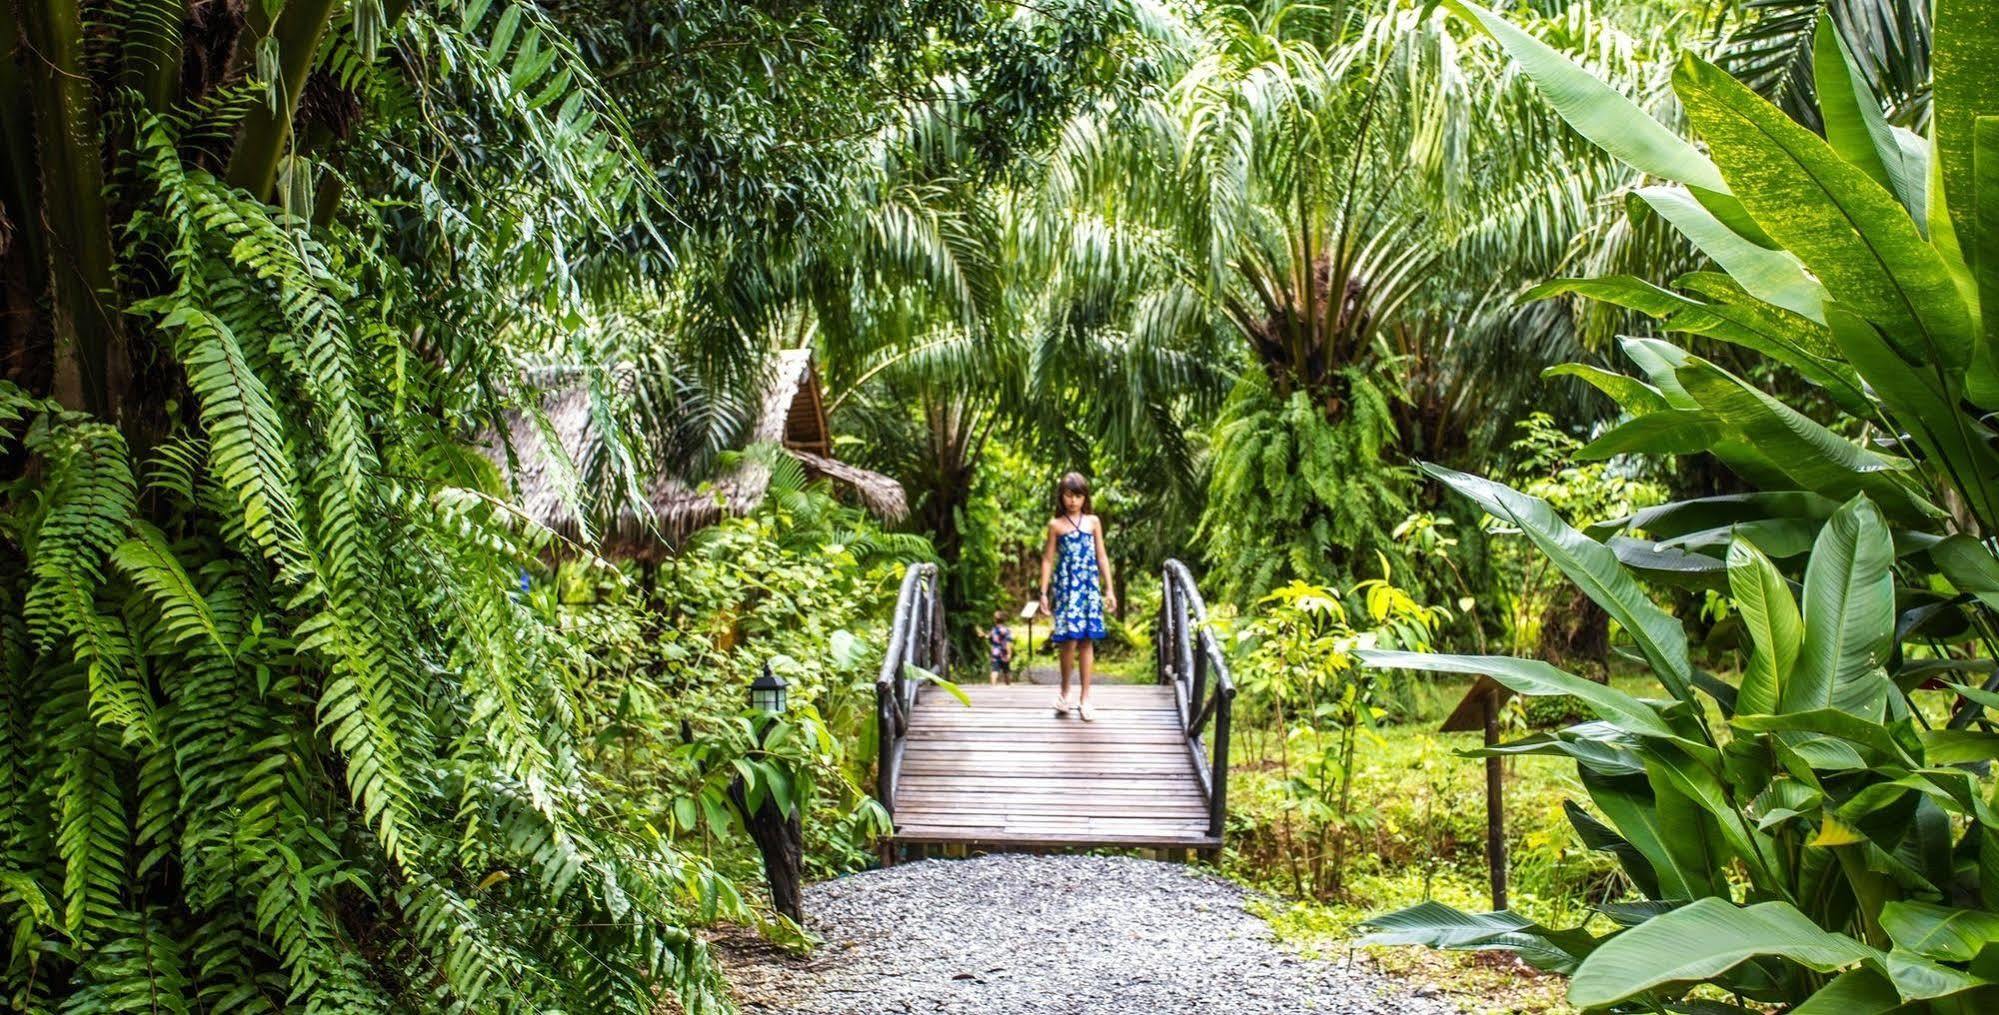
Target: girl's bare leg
x=1087, y=654
x=1067, y=657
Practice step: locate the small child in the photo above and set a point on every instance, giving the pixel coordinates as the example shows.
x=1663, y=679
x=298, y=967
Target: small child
x=1001, y=640
x=1076, y=588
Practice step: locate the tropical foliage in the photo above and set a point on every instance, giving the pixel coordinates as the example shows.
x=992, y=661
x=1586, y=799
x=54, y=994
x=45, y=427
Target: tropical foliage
x=284, y=726
x=304, y=706
x=1814, y=832
x=1298, y=657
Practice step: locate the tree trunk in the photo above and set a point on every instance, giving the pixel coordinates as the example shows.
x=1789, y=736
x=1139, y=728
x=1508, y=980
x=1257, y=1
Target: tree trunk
x=1575, y=634
x=266, y=131
x=91, y=366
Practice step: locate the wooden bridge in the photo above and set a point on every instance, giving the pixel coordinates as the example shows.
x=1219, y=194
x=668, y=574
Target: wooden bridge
x=1006, y=772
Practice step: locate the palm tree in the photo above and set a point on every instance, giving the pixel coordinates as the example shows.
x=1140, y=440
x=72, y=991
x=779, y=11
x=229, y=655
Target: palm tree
x=984, y=311
x=1340, y=190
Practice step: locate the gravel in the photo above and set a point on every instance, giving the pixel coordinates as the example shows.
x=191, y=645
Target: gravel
x=1012, y=933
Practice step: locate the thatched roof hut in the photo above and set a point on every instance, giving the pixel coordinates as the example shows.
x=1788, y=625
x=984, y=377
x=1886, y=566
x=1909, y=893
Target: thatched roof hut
x=791, y=416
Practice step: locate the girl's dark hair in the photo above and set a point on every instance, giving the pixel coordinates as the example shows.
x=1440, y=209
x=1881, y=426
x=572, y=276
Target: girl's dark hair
x=1072, y=482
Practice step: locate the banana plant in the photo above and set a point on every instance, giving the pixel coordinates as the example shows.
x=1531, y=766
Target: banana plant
x=1801, y=834
x=1797, y=836
x=1865, y=261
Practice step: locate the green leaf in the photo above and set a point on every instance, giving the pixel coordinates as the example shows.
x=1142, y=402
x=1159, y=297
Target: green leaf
x=1982, y=382
x=1701, y=941
x=1533, y=678
x=1603, y=839
x=1849, y=614
x=916, y=673
x=1670, y=565
x=1773, y=623
x=1632, y=395
x=1439, y=926
x=1939, y=932
x=1681, y=517
x=1853, y=234
x=1854, y=992
x=1964, y=62
x=1774, y=276
x=1927, y=403
x=1813, y=457
x=1959, y=747
x=1668, y=432
x=1594, y=568
x=1853, y=123
x=1631, y=806
x=1733, y=316
x=1969, y=566
x=1596, y=110
x=1830, y=722
x=150, y=563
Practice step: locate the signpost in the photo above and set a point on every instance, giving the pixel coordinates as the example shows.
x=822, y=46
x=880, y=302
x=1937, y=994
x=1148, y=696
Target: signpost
x=1028, y=613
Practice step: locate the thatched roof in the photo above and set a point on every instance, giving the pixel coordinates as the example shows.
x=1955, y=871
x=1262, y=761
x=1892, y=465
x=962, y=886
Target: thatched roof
x=791, y=416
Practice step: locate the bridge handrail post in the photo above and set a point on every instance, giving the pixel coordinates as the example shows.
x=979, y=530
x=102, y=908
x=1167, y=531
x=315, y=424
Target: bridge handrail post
x=1199, y=660
x=892, y=688
x=1218, y=799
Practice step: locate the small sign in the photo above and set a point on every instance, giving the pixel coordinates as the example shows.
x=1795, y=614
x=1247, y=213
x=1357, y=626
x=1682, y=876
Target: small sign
x=1031, y=610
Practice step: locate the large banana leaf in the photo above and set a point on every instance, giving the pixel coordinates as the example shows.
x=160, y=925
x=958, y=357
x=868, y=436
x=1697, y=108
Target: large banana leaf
x=1631, y=394
x=1940, y=932
x=1850, y=231
x=1703, y=940
x=1855, y=992
x=1773, y=623
x=1439, y=926
x=1771, y=275
x=1681, y=517
x=1596, y=110
x=1603, y=839
x=1854, y=126
x=1983, y=380
x=1594, y=568
x=1965, y=63
x=1661, y=363
x=1609, y=755
x=1668, y=432
x=1927, y=404
x=1969, y=566
x=1630, y=806
x=1812, y=456
x=1534, y=678
x=1849, y=614
x=1734, y=316
x=1671, y=565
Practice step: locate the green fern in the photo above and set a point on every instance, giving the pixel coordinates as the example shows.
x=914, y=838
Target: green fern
x=1295, y=494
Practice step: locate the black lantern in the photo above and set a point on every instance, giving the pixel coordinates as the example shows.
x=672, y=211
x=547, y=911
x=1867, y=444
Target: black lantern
x=767, y=693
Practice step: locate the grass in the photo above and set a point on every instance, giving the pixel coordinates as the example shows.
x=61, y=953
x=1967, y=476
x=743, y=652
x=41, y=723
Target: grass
x=1418, y=833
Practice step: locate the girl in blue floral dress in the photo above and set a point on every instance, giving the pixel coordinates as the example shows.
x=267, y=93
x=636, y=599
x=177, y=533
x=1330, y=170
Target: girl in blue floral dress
x=1080, y=568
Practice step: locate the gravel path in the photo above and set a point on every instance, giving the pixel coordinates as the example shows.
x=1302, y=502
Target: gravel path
x=1028, y=935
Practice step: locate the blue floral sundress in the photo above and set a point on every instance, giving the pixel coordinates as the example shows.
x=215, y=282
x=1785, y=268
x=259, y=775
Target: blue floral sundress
x=1077, y=601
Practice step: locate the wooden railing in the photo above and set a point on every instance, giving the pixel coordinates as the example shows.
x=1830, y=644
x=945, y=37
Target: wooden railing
x=917, y=637
x=1190, y=660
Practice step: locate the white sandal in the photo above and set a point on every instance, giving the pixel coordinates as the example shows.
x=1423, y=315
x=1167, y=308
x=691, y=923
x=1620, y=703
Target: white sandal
x=1088, y=712
x=1062, y=705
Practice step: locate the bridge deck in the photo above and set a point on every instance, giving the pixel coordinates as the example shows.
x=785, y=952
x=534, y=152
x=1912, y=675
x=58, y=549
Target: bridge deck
x=1009, y=772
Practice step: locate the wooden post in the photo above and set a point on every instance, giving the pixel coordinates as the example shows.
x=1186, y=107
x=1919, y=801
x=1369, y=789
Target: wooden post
x=1495, y=806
